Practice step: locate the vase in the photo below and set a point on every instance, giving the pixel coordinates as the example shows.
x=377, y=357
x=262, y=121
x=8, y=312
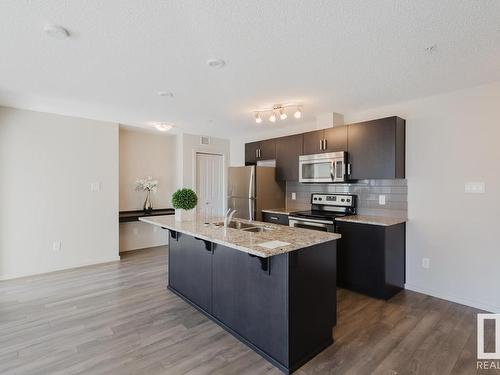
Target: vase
x=148, y=206
x=184, y=215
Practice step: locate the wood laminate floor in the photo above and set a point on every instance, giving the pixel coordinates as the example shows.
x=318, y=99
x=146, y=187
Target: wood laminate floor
x=118, y=318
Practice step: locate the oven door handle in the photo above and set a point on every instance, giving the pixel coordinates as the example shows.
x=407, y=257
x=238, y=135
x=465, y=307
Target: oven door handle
x=311, y=223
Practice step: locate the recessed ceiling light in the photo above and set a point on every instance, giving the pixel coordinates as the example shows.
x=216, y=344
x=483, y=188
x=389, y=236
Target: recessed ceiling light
x=431, y=49
x=166, y=93
x=161, y=126
x=56, y=31
x=216, y=63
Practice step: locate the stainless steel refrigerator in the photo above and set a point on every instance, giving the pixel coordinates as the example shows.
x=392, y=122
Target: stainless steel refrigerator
x=252, y=189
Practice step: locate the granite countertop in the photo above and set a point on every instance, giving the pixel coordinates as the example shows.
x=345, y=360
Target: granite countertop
x=373, y=220
x=248, y=242
x=279, y=211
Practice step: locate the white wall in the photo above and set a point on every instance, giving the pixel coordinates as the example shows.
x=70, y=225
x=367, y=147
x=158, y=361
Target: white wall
x=144, y=154
x=47, y=163
x=451, y=138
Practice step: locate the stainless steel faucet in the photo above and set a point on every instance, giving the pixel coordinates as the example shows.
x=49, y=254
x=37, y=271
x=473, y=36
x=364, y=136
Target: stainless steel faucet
x=228, y=217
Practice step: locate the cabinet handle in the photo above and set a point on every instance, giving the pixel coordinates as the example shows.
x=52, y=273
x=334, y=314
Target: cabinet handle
x=260, y=154
x=325, y=144
x=273, y=218
x=349, y=169
x=321, y=144
x=256, y=152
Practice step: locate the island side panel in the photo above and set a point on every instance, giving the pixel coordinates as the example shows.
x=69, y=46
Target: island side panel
x=253, y=301
x=190, y=269
x=312, y=300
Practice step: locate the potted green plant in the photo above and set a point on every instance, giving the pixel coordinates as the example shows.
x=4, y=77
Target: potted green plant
x=184, y=201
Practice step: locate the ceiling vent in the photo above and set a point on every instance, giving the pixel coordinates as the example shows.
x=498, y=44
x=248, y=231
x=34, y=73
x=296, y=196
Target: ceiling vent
x=204, y=140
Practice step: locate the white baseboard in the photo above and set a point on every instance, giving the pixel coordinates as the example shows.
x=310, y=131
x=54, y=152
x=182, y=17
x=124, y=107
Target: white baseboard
x=460, y=300
x=57, y=269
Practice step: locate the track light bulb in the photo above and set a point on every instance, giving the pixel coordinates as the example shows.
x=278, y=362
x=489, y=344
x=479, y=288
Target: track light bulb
x=283, y=115
x=258, y=119
x=298, y=113
x=272, y=118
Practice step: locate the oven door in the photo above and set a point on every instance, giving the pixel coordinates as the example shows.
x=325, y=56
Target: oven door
x=321, y=225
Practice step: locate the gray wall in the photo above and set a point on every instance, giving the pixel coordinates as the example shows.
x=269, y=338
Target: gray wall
x=368, y=192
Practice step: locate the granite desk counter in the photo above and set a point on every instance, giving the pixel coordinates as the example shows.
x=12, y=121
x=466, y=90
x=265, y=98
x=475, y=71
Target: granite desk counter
x=274, y=287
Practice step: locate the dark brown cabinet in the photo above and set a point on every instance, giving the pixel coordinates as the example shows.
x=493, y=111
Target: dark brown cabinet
x=377, y=149
x=371, y=258
x=326, y=140
x=335, y=139
x=313, y=142
x=261, y=150
x=190, y=268
x=288, y=150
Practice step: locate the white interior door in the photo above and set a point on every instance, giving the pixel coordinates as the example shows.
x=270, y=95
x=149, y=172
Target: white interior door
x=209, y=184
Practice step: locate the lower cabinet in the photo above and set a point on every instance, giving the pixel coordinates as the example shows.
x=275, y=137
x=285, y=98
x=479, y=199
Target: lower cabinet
x=251, y=300
x=190, y=268
x=371, y=258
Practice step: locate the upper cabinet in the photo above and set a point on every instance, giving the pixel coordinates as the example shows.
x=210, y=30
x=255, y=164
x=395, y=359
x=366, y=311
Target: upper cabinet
x=288, y=150
x=261, y=150
x=326, y=140
x=376, y=149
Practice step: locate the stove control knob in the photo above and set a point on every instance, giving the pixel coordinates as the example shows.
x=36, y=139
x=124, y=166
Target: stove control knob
x=342, y=200
x=320, y=199
x=315, y=199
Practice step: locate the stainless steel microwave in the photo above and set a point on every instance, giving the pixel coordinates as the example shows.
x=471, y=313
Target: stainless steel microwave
x=327, y=167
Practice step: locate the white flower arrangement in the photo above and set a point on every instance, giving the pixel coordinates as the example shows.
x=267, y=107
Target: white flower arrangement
x=146, y=184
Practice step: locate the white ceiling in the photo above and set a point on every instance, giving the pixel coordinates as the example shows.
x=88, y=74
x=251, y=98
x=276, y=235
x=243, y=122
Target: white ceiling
x=339, y=56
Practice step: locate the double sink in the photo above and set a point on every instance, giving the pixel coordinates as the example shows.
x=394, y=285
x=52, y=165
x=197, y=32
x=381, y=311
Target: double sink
x=246, y=227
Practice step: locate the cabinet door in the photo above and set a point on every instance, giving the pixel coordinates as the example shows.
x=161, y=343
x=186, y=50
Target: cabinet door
x=376, y=149
x=252, y=301
x=336, y=139
x=267, y=150
x=251, y=152
x=360, y=258
x=190, y=269
x=312, y=142
x=288, y=150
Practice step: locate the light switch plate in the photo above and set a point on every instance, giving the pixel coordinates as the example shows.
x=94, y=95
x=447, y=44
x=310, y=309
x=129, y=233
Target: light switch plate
x=95, y=186
x=294, y=196
x=475, y=187
x=381, y=199
x=426, y=263
x=56, y=246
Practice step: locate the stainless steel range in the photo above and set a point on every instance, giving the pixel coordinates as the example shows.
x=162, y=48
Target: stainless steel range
x=324, y=209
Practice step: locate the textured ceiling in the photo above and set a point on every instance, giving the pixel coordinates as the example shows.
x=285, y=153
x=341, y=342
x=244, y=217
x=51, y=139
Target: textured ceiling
x=330, y=55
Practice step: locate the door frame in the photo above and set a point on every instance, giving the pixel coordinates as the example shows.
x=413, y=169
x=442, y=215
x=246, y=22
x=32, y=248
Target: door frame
x=224, y=172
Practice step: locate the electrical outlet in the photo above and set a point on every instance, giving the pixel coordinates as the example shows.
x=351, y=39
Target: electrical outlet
x=56, y=246
x=294, y=196
x=426, y=263
x=381, y=200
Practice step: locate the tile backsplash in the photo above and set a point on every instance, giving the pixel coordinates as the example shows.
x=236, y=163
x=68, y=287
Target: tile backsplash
x=367, y=191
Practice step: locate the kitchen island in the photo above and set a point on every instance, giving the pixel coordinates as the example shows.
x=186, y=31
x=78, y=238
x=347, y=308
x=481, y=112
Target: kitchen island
x=271, y=286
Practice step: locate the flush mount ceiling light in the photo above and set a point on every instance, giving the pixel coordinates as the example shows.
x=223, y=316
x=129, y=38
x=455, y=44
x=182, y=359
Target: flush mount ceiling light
x=278, y=112
x=161, y=126
x=216, y=63
x=56, y=31
x=166, y=94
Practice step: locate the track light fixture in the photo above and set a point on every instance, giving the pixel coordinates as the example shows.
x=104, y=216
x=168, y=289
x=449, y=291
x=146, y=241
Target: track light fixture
x=278, y=112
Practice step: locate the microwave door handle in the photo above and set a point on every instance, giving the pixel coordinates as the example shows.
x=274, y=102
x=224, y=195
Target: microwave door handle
x=332, y=170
